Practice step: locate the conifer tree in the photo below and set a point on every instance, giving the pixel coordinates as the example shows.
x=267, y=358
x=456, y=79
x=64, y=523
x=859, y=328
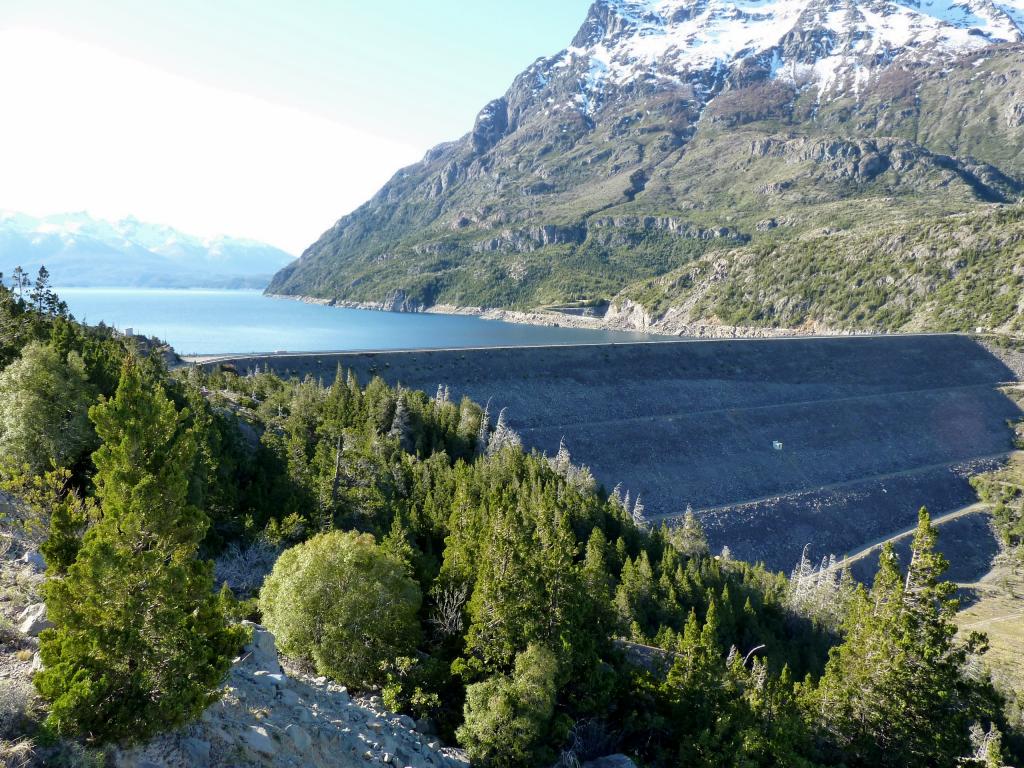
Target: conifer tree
x=140, y=643
x=695, y=690
x=689, y=538
x=483, y=433
x=503, y=436
x=401, y=424
x=894, y=693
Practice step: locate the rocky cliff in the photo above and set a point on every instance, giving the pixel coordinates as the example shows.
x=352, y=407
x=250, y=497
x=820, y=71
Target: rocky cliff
x=675, y=133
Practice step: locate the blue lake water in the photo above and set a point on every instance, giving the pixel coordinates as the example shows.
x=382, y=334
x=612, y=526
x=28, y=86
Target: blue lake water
x=210, y=322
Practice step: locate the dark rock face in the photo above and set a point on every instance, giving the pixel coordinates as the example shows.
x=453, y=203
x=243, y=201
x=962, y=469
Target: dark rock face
x=491, y=126
x=648, y=116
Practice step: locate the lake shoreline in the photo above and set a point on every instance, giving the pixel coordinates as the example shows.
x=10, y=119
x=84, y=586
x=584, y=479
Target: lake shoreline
x=629, y=317
x=207, y=322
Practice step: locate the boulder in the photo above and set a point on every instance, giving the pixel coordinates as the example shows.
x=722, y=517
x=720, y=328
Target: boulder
x=299, y=737
x=256, y=738
x=261, y=652
x=34, y=560
x=273, y=679
x=33, y=620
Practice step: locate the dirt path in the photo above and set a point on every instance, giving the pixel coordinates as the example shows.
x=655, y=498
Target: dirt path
x=993, y=620
x=845, y=484
x=860, y=554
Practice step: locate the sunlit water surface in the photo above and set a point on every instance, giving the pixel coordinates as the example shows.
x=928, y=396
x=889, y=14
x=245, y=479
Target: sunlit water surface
x=209, y=322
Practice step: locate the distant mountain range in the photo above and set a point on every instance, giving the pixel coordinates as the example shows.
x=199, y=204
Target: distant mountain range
x=809, y=164
x=82, y=251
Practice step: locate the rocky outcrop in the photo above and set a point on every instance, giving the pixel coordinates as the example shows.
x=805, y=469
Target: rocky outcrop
x=33, y=620
x=274, y=718
x=628, y=314
x=863, y=160
x=531, y=239
x=629, y=230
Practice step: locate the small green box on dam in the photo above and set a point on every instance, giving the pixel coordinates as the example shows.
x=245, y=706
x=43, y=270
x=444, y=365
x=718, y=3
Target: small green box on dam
x=775, y=443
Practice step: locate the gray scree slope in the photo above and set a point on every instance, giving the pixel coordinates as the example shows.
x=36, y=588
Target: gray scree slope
x=871, y=428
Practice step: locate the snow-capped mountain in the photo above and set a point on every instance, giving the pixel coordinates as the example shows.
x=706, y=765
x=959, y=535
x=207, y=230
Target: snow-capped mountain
x=80, y=250
x=671, y=138
x=833, y=44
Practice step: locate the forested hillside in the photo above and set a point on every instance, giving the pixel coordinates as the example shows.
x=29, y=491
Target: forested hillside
x=402, y=542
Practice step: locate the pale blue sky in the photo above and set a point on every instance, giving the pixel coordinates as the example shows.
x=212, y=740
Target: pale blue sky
x=131, y=106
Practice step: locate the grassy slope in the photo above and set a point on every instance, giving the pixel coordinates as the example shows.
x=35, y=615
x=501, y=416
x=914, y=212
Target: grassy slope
x=999, y=608
x=999, y=613
x=951, y=273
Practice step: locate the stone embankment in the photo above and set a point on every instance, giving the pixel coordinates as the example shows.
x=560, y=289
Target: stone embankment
x=278, y=718
x=868, y=429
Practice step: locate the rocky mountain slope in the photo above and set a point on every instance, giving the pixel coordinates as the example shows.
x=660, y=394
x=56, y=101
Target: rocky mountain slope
x=80, y=250
x=680, y=153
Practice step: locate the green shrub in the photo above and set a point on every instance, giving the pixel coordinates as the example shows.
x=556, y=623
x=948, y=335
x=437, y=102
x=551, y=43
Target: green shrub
x=44, y=402
x=508, y=718
x=345, y=605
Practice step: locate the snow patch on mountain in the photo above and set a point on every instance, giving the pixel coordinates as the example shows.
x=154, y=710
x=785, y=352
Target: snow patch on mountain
x=835, y=44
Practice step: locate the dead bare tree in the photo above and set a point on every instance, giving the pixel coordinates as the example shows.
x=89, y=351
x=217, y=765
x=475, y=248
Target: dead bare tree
x=446, y=616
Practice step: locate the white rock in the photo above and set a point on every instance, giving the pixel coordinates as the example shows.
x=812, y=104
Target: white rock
x=33, y=620
x=256, y=738
x=263, y=677
x=299, y=737
x=261, y=652
x=35, y=560
x=404, y=721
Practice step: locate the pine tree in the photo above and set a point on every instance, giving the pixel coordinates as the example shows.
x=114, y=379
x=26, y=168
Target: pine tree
x=483, y=433
x=894, y=693
x=639, y=513
x=503, y=436
x=689, y=538
x=695, y=688
x=401, y=424
x=41, y=296
x=139, y=643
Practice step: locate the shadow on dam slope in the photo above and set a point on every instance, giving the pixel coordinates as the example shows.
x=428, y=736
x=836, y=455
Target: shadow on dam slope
x=871, y=428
